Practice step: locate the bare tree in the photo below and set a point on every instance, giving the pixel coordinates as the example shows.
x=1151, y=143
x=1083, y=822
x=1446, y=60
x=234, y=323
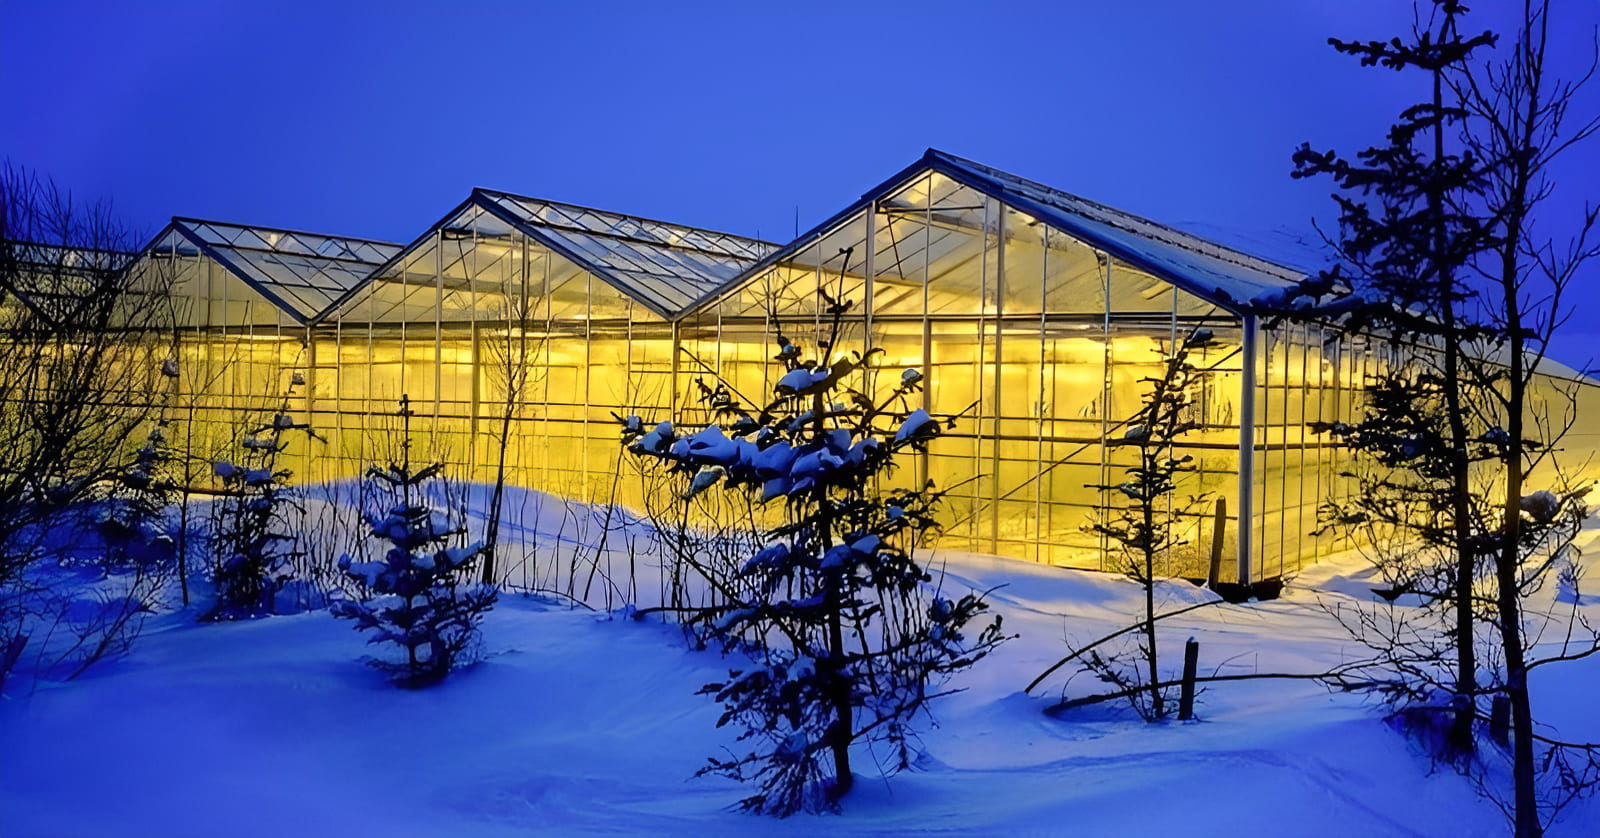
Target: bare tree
x=1520, y=122
x=512, y=351
x=79, y=387
x=1404, y=249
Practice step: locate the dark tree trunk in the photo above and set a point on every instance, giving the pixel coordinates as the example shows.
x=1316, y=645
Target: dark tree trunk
x=1461, y=737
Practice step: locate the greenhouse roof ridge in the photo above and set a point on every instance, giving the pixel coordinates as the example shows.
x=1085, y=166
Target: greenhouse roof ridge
x=1225, y=276
x=301, y=273
x=665, y=267
x=568, y=205
x=675, y=270
x=668, y=268
x=1121, y=218
x=289, y=231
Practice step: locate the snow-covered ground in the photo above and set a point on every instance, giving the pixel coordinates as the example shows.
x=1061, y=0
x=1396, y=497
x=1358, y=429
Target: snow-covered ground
x=578, y=722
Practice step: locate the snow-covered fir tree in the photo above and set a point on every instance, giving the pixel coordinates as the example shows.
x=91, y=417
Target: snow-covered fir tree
x=253, y=547
x=848, y=632
x=423, y=597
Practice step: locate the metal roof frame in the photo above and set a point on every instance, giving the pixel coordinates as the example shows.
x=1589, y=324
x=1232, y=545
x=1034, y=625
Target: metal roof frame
x=184, y=226
x=487, y=201
x=1011, y=191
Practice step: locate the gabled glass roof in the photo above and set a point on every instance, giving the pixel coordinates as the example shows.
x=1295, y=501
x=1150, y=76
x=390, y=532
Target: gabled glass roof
x=301, y=273
x=1217, y=274
x=1221, y=274
x=669, y=268
x=52, y=279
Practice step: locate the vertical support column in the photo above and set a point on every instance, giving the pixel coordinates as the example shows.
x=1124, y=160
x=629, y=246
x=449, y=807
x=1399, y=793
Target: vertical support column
x=310, y=374
x=338, y=393
x=1305, y=387
x=1247, y=446
x=310, y=377
x=1105, y=392
x=405, y=320
x=1171, y=510
x=438, y=331
x=472, y=350
x=869, y=267
x=230, y=397
x=1046, y=413
x=997, y=423
x=475, y=411
x=923, y=459
x=543, y=434
x=816, y=298
x=720, y=368
x=588, y=392
x=200, y=321
x=372, y=380
x=677, y=338
x=1282, y=341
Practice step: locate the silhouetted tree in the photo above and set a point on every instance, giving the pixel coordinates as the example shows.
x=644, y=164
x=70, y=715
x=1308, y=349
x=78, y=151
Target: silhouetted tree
x=79, y=373
x=1405, y=243
x=1461, y=483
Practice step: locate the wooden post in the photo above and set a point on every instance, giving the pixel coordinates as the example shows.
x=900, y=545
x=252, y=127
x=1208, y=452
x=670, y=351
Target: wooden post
x=1191, y=661
x=1218, y=530
x=1500, y=720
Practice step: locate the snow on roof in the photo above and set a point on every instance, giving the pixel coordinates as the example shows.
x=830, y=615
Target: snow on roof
x=1300, y=249
x=1225, y=276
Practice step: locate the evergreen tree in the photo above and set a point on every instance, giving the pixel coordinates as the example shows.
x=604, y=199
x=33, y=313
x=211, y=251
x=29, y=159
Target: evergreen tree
x=848, y=642
x=1461, y=448
x=423, y=597
x=252, y=543
x=1144, y=525
x=1405, y=242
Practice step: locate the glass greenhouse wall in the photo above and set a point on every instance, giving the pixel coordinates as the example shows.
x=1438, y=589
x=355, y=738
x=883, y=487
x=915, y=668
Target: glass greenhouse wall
x=1035, y=342
x=1034, y=316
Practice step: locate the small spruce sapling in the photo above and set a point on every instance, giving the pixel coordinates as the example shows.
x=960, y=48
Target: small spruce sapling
x=253, y=548
x=848, y=643
x=133, y=524
x=424, y=600
x=1143, y=525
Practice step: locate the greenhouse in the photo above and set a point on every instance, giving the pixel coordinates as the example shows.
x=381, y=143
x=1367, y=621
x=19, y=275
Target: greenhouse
x=519, y=329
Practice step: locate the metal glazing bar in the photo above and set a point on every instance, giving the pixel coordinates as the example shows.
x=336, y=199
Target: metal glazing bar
x=1247, y=444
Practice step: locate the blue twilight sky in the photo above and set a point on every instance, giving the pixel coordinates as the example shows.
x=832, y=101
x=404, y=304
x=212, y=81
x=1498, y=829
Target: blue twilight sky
x=375, y=118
